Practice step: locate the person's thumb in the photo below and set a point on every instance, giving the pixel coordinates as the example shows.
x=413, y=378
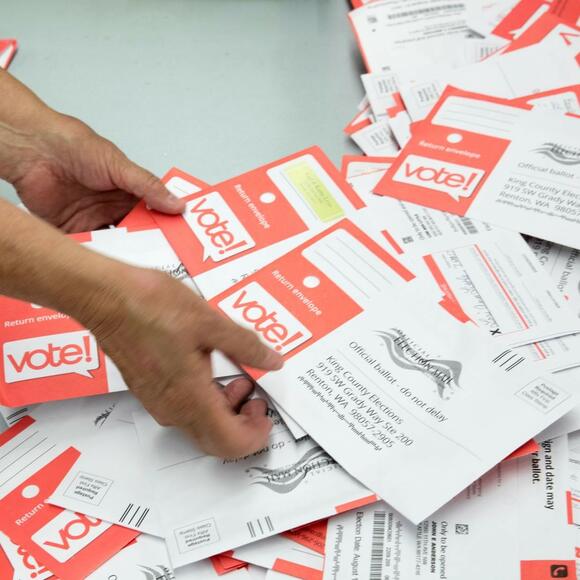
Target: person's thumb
x=143, y=184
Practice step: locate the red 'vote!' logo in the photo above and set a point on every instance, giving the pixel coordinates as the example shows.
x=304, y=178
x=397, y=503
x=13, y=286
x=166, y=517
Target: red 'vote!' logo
x=255, y=308
x=45, y=356
x=68, y=533
x=217, y=227
x=450, y=178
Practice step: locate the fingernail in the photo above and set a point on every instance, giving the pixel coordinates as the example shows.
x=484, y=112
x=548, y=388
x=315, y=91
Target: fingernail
x=174, y=201
x=274, y=361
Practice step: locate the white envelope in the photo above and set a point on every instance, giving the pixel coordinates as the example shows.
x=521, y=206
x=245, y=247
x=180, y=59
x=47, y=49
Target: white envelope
x=500, y=513
x=207, y=505
x=398, y=382
x=533, y=69
x=390, y=31
x=376, y=139
x=543, y=159
x=497, y=283
x=563, y=265
x=489, y=271
x=109, y=480
x=570, y=422
x=34, y=460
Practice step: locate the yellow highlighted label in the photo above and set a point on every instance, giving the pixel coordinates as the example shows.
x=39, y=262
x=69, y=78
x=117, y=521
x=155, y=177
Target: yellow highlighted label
x=312, y=189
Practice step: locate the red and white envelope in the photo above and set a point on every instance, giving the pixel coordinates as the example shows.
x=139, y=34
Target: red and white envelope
x=48, y=356
x=8, y=48
x=343, y=370
x=6, y=568
x=178, y=182
x=69, y=544
x=144, y=558
x=230, y=229
x=486, y=275
x=526, y=13
x=488, y=159
x=548, y=28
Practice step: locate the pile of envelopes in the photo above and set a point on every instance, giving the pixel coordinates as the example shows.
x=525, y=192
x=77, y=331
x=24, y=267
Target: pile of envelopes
x=426, y=300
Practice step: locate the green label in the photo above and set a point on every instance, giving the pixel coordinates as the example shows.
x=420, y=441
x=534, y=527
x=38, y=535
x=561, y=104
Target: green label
x=311, y=188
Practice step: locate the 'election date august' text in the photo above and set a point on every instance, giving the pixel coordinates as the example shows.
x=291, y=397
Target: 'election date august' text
x=342, y=390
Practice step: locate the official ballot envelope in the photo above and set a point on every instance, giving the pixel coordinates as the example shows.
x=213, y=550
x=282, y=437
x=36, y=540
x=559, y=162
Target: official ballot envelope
x=380, y=380
x=488, y=159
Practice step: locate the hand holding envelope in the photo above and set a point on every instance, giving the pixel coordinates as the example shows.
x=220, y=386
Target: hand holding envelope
x=163, y=351
x=159, y=337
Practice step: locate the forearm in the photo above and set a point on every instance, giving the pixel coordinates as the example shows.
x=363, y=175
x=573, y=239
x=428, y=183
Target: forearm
x=20, y=107
x=27, y=126
x=39, y=264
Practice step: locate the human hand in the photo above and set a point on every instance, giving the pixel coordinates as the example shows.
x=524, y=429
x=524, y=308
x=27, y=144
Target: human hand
x=72, y=177
x=160, y=335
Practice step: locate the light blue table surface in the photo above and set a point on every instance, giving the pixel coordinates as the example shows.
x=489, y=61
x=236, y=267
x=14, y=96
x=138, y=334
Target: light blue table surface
x=215, y=87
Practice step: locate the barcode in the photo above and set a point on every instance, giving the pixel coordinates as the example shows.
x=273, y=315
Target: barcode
x=509, y=358
x=469, y=226
x=260, y=527
x=425, y=11
x=378, y=545
x=134, y=516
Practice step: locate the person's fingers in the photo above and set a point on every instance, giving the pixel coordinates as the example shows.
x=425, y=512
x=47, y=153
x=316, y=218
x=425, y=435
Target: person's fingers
x=245, y=434
x=241, y=345
x=254, y=408
x=143, y=184
x=221, y=431
x=238, y=391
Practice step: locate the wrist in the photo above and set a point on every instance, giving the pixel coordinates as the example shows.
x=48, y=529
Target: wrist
x=45, y=137
x=99, y=291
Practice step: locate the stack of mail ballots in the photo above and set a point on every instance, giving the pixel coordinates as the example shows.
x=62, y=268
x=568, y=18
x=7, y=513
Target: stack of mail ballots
x=426, y=301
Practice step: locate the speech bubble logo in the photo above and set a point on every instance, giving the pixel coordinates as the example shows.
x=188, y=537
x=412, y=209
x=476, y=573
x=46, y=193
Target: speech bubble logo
x=68, y=533
x=218, y=229
x=254, y=307
x=457, y=181
x=49, y=356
